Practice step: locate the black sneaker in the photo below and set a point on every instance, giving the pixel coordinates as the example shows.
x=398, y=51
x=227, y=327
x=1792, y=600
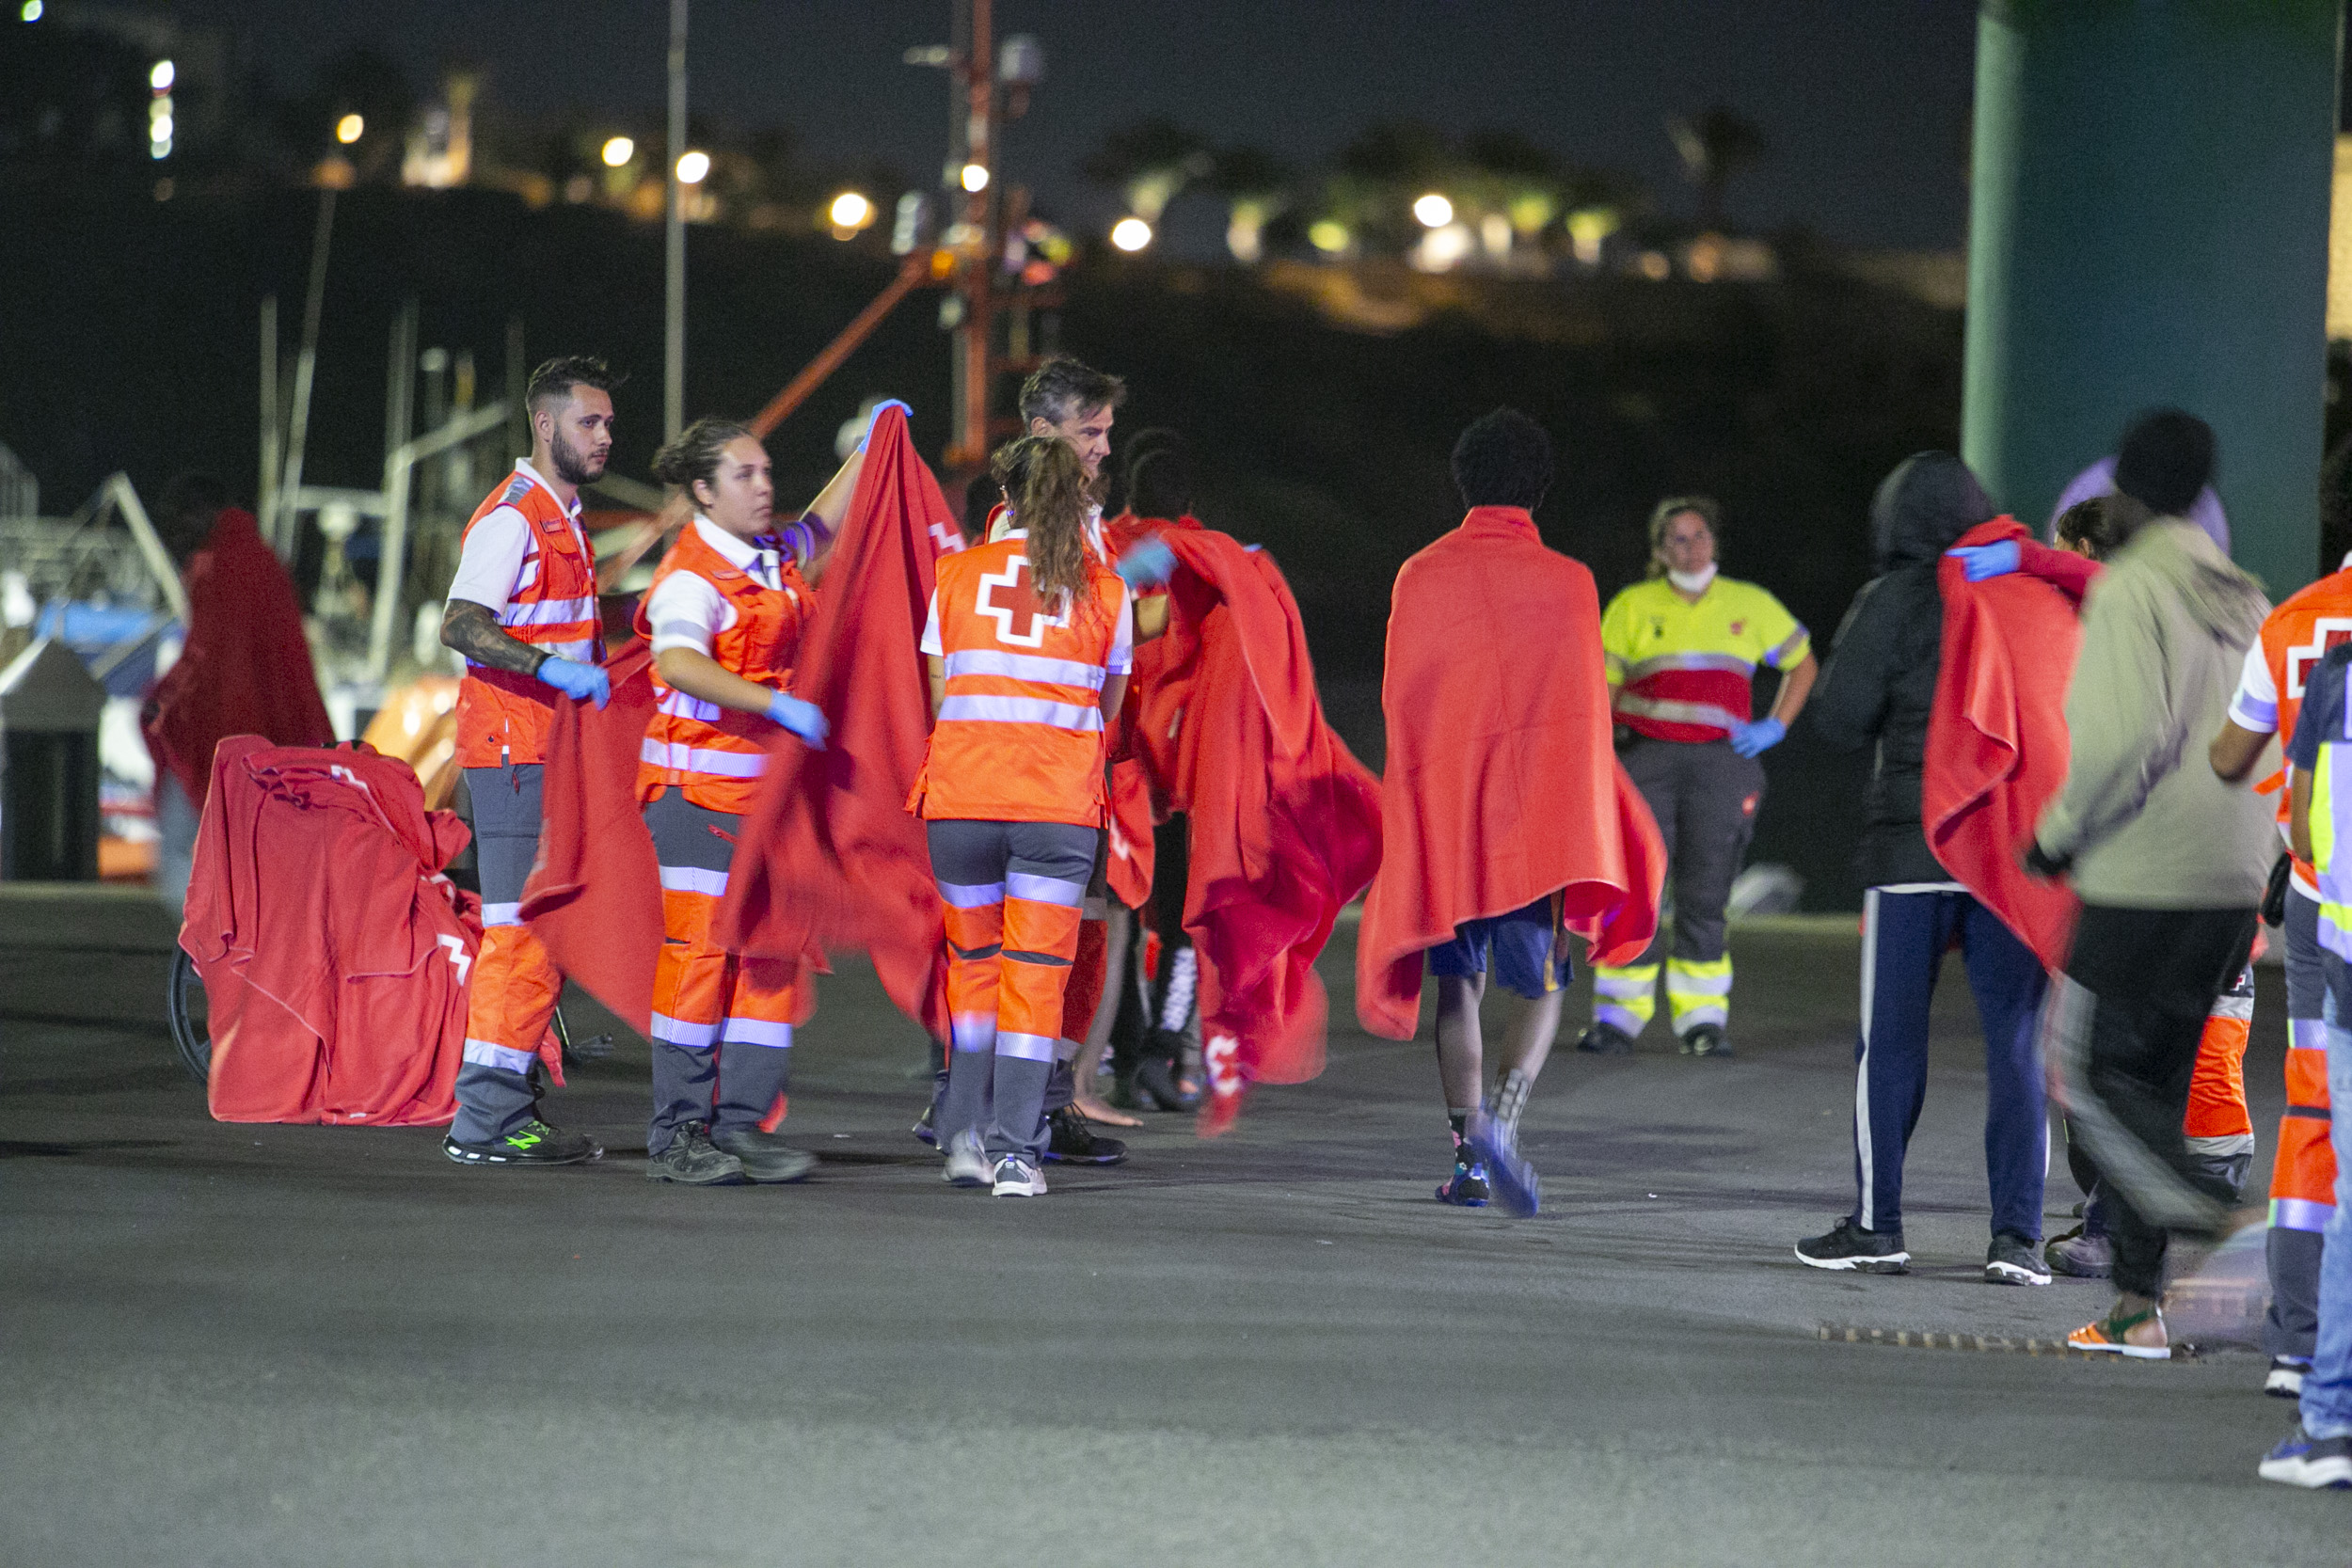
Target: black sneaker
x=1850, y=1246
x=1605, y=1039
x=926, y=1130
x=2010, y=1261
x=765, y=1156
x=1163, y=1081
x=535, y=1143
x=1467, y=1187
x=1073, y=1141
x=691, y=1161
x=2285, y=1379
x=1706, y=1039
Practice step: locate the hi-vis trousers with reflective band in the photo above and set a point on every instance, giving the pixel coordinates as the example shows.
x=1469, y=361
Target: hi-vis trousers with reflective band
x=512, y=991
x=2303, y=1168
x=1705, y=797
x=1015, y=893
x=722, y=1022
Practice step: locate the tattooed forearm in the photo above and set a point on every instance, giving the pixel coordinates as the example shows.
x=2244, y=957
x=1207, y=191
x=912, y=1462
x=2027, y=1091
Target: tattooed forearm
x=474, y=631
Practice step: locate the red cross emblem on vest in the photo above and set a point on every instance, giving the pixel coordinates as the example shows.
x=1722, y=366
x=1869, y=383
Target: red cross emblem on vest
x=2326, y=631
x=1022, y=600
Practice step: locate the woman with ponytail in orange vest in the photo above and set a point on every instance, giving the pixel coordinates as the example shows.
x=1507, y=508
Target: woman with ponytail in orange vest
x=725, y=616
x=1029, y=643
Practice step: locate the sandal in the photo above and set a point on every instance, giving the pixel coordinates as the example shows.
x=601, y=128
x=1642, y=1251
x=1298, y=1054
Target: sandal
x=2106, y=1334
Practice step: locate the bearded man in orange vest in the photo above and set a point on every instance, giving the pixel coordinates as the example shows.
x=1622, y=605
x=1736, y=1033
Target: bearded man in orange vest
x=523, y=612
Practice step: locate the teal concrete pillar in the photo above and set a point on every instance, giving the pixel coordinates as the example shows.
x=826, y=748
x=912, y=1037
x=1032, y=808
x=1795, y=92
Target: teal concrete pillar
x=2148, y=225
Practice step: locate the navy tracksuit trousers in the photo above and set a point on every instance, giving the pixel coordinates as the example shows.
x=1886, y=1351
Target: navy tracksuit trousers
x=1905, y=937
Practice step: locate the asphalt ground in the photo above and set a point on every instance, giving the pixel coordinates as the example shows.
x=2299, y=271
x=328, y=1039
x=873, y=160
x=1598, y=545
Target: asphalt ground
x=260, y=1344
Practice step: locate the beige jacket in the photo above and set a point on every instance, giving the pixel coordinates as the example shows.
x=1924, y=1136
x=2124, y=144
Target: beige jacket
x=2141, y=815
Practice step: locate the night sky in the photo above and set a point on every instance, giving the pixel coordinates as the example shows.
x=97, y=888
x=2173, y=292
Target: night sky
x=1866, y=102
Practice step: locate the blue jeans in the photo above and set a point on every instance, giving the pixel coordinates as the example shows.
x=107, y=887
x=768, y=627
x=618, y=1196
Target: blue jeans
x=2328, y=1387
x=1905, y=937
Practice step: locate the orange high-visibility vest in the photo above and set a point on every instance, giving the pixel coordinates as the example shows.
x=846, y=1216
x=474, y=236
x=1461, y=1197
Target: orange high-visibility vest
x=2294, y=636
x=716, y=754
x=1019, y=736
x=501, y=716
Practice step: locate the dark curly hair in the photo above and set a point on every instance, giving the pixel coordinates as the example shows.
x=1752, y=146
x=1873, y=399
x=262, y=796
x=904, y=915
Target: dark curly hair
x=1502, y=459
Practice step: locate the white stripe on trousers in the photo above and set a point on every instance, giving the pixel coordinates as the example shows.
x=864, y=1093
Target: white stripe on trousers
x=1862, y=1066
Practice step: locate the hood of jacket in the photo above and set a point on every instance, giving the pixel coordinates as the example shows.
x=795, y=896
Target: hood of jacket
x=1923, y=507
x=2221, y=599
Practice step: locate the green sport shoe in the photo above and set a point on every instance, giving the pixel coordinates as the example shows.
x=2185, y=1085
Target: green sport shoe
x=535, y=1143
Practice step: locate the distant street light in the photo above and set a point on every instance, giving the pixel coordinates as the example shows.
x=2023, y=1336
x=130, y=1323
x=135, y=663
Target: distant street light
x=692, y=167
x=1328, y=236
x=159, y=130
x=852, y=212
x=350, y=129
x=32, y=10
x=618, y=150
x=1434, y=211
x=976, y=178
x=1130, y=234
x=160, y=78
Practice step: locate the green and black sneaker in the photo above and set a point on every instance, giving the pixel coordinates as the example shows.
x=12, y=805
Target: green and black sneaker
x=535, y=1143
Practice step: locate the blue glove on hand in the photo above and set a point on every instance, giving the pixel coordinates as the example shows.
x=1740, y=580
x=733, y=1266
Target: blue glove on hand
x=1147, y=564
x=575, y=679
x=1762, y=735
x=875, y=419
x=806, y=720
x=1980, y=561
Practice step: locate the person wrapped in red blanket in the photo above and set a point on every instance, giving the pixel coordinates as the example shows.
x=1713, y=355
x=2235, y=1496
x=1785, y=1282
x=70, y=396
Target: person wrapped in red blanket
x=829, y=857
x=244, y=667
x=1285, y=822
x=333, y=951
x=1997, y=734
x=1508, y=822
x=1997, y=752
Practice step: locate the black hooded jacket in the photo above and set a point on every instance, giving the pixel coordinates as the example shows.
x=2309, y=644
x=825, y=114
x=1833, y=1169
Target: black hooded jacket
x=1880, y=681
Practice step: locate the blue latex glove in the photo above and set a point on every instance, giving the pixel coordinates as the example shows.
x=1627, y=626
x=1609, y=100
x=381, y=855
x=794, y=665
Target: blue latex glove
x=1980, y=561
x=806, y=720
x=575, y=679
x=875, y=419
x=1147, y=564
x=1762, y=735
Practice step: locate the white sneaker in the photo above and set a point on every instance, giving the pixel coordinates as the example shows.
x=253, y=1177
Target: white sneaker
x=1017, y=1178
x=2286, y=1378
x=967, y=1162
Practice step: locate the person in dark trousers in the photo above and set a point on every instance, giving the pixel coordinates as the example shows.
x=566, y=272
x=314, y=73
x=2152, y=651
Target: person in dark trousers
x=1878, y=691
x=2169, y=859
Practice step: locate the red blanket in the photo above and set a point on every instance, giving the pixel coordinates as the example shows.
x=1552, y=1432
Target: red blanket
x=333, y=951
x=1285, y=823
x=830, y=856
x=594, y=892
x=1136, y=807
x=1501, y=784
x=1996, y=740
x=245, y=668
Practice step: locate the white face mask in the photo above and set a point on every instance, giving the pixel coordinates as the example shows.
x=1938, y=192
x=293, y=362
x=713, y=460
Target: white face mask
x=1693, y=583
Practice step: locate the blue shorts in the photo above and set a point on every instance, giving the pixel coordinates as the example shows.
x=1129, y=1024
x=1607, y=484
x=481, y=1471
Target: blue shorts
x=1530, y=959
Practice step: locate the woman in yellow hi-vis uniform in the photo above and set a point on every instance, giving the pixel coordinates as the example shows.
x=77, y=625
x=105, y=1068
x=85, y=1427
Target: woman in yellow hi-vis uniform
x=1682, y=649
